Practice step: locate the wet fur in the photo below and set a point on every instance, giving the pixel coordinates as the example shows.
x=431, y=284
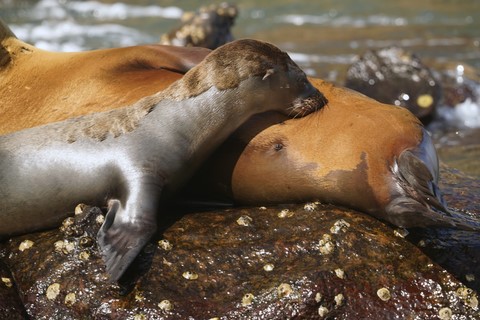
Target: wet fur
x=139, y=155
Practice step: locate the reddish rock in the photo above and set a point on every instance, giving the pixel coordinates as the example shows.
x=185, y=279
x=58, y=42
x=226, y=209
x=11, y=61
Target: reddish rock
x=243, y=263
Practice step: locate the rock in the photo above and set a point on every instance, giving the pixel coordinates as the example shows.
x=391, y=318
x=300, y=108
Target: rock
x=459, y=82
x=455, y=250
x=395, y=76
x=11, y=306
x=209, y=27
x=460, y=104
x=310, y=261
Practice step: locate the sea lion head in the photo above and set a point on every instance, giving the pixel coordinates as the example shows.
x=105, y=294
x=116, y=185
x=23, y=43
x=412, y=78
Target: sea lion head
x=251, y=66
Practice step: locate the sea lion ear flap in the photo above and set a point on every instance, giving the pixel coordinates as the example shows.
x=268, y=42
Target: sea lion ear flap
x=268, y=73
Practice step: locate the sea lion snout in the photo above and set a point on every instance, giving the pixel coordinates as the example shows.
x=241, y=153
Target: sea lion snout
x=314, y=100
x=292, y=87
x=308, y=98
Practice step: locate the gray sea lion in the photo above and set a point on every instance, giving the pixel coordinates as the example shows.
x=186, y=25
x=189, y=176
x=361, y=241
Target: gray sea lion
x=135, y=157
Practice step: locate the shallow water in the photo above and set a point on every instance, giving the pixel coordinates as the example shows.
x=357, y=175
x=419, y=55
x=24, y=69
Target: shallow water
x=323, y=37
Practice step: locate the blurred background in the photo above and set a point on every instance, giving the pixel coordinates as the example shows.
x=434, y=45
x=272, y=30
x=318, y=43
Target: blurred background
x=322, y=36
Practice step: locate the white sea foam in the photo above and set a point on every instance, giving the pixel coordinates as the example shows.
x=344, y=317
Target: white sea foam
x=468, y=113
x=84, y=25
x=54, y=9
x=342, y=21
x=68, y=35
x=103, y=11
x=304, y=58
x=333, y=19
x=463, y=115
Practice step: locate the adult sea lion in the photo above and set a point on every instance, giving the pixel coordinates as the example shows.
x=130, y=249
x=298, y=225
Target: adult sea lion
x=39, y=87
x=136, y=156
x=358, y=152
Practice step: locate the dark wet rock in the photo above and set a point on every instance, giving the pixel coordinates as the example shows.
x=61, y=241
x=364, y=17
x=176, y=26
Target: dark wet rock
x=459, y=82
x=395, y=76
x=460, y=149
x=455, y=250
x=11, y=306
x=209, y=27
x=460, y=104
x=257, y=263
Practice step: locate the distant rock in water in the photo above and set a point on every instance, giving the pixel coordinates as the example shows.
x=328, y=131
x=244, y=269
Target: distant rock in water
x=395, y=76
x=209, y=27
x=460, y=82
x=293, y=261
x=460, y=104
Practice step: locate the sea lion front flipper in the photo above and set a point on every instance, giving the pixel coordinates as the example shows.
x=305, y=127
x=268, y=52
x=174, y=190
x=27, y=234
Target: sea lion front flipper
x=122, y=236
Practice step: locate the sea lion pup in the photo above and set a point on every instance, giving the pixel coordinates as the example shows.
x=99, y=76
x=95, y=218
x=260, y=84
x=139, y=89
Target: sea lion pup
x=357, y=152
x=39, y=87
x=135, y=157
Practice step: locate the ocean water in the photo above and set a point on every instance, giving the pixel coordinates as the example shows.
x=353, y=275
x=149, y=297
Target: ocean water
x=323, y=37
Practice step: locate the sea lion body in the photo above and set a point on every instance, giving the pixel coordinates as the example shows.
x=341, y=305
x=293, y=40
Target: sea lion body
x=134, y=156
x=39, y=87
x=357, y=153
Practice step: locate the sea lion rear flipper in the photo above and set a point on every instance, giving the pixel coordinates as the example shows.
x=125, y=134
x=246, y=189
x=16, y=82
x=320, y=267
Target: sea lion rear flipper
x=419, y=202
x=121, y=240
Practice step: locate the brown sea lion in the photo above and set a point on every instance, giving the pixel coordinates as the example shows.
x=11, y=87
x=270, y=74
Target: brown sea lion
x=358, y=152
x=39, y=87
x=134, y=157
